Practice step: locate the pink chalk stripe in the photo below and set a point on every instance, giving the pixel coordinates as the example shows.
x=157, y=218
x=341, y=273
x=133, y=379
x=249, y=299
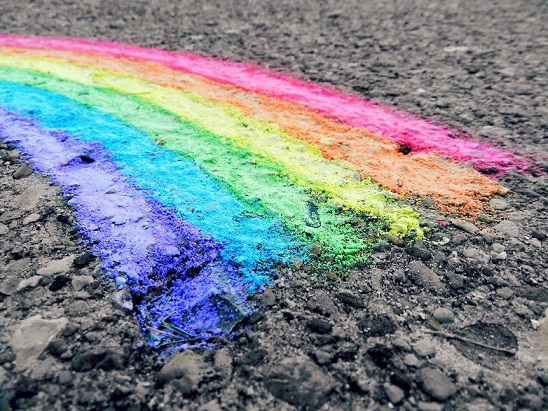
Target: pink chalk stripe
x=420, y=135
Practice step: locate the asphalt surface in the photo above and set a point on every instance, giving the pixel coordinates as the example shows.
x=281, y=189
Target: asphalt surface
x=478, y=67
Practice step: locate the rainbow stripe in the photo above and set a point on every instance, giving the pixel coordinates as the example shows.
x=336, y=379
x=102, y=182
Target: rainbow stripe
x=255, y=165
x=142, y=244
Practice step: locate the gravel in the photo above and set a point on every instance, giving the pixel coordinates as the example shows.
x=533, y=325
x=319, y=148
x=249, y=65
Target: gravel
x=436, y=384
x=300, y=382
x=478, y=67
x=425, y=277
x=444, y=315
x=32, y=337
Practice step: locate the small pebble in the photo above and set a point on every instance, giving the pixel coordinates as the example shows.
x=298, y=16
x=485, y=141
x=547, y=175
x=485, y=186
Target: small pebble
x=444, y=315
x=498, y=248
x=65, y=377
x=425, y=277
x=395, y=394
x=80, y=281
x=269, y=298
x=401, y=344
x=119, y=281
x=31, y=218
x=436, y=384
x=338, y=333
x=433, y=324
x=501, y=256
x=528, y=192
x=411, y=360
x=508, y=228
x=56, y=267
x=22, y=171
x=322, y=357
x=474, y=254
x=484, y=218
x=489, y=238
x=505, y=293
x=536, y=242
x=459, y=239
x=332, y=276
x=424, y=348
x=212, y=405
x=499, y=204
x=29, y=282
x=429, y=406
x=465, y=226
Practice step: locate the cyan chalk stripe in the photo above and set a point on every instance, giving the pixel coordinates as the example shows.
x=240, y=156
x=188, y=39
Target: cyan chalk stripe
x=262, y=187
x=253, y=242
x=174, y=270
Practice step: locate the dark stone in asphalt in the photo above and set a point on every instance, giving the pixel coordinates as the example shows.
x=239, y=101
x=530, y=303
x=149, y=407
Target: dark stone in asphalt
x=288, y=315
x=380, y=355
x=377, y=325
x=539, y=294
x=401, y=379
x=22, y=171
x=419, y=250
x=83, y=260
x=322, y=340
x=300, y=382
x=320, y=326
x=350, y=299
x=62, y=218
x=59, y=282
x=425, y=277
x=254, y=357
x=26, y=388
x=57, y=346
x=104, y=358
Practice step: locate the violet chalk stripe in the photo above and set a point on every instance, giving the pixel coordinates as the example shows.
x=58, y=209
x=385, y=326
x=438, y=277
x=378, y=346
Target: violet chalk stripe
x=146, y=247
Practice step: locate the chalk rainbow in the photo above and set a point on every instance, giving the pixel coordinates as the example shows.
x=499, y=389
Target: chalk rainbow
x=195, y=177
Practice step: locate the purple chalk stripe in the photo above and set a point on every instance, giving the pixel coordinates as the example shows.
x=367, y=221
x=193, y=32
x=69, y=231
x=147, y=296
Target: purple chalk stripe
x=174, y=271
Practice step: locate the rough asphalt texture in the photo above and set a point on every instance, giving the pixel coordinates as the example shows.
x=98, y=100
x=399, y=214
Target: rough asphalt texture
x=321, y=340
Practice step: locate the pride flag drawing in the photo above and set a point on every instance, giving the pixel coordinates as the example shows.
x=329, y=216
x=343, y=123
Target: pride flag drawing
x=196, y=178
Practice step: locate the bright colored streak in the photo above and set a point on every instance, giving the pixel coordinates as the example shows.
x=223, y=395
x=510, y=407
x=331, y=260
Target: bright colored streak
x=137, y=239
x=303, y=163
x=420, y=135
x=250, y=240
x=455, y=187
x=234, y=167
